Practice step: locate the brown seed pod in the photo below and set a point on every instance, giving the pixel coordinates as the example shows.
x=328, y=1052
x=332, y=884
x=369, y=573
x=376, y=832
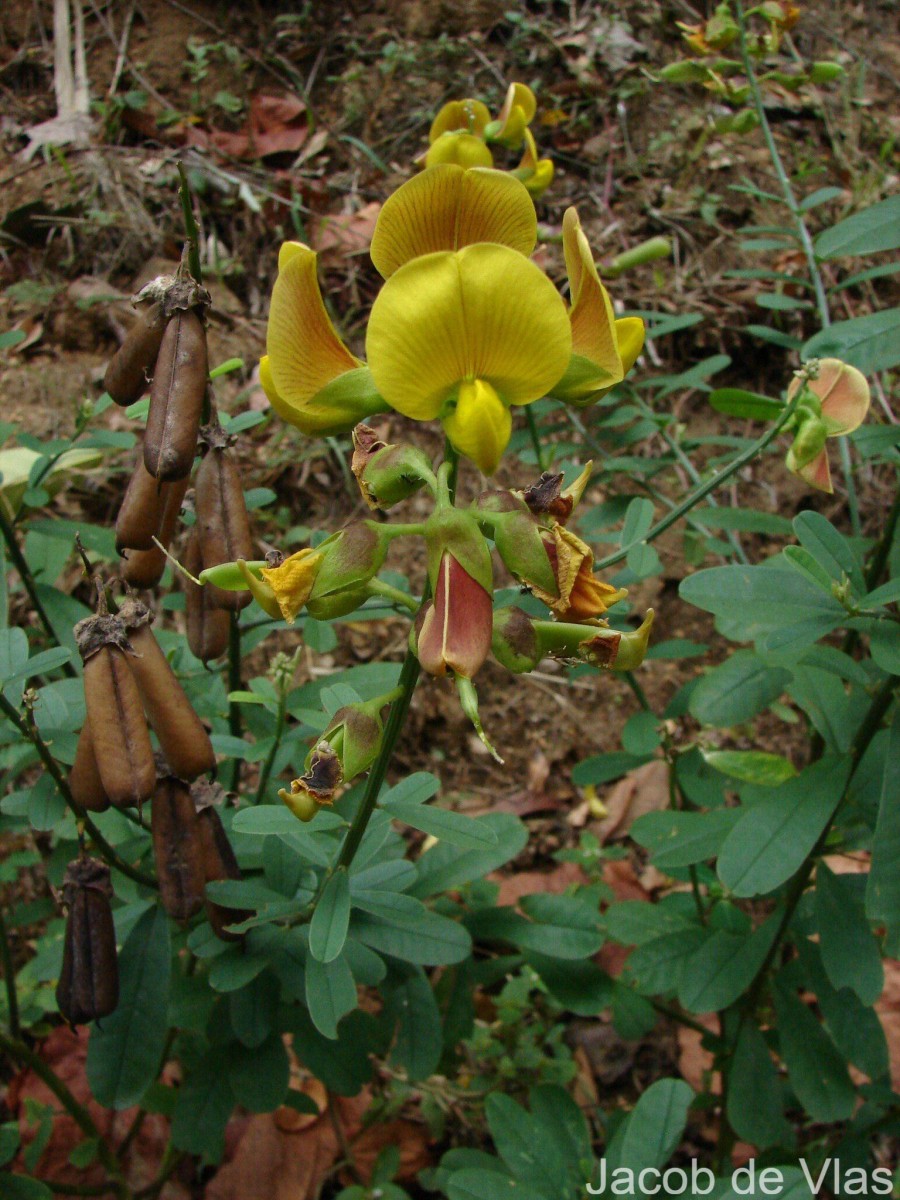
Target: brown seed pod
x=219, y=861
x=144, y=568
x=182, y=737
x=177, y=848
x=144, y=508
x=85, y=783
x=223, y=524
x=176, y=398
x=88, y=985
x=115, y=714
x=127, y=375
x=208, y=628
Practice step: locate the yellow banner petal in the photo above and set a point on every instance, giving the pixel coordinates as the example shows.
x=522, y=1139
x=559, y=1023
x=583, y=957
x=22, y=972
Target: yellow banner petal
x=446, y=208
x=484, y=312
x=304, y=351
x=471, y=116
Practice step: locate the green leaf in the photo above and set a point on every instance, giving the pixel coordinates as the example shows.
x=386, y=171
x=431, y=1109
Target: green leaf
x=203, y=1106
x=404, y=928
x=653, y=1129
x=444, y=866
x=125, y=1050
x=330, y=993
x=752, y=766
x=602, y=768
x=850, y=954
x=328, y=927
x=829, y=548
x=634, y=922
x=856, y=1029
x=531, y=1158
x=737, y=689
x=475, y=1183
x=580, y=986
x=883, y=888
x=657, y=967
x=888, y=593
x=414, y=789
x=419, y=1037
x=274, y=820
x=804, y=562
x=259, y=1078
x=870, y=343
x=20, y=1187
x=343, y=1065
x=253, y=1010
x=9, y=1141
x=452, y=827
x=816, y=1071
x=820, y=196
x=775, y=834
x=638, y=519
x=755, y=1104
x=746, y=520
x=774, y=336
x=875, y=229
x=724, y=967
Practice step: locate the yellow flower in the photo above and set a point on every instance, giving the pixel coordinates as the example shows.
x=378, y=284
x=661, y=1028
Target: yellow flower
x=447, y=207
x=461, y=149
x=310, y=377
x=536, y=173
x=465, y=116
x=604, y=349
x=463, y=335
x=514, y=118
x=292, y=582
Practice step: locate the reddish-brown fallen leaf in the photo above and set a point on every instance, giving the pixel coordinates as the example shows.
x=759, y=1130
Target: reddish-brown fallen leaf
x=694, y=1062
x=274, y=125
x=888, y=1009
x=643, y=790
x=341, y=235
x=524, y=883
x=411, y=1139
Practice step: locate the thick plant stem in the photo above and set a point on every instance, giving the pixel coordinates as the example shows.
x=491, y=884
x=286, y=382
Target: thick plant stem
x=701, y=492
x=266, y=772
x=18, y=1050
x=106, y=851
x=24, y=571
x=9, y=978
x=409, y=675
x=824, y=313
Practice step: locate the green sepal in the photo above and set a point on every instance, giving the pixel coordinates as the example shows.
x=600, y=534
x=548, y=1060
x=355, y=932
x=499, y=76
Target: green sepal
x=456, y=531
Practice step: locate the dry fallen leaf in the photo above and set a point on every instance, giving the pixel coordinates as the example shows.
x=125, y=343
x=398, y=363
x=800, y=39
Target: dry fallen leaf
x=643, y=790
x=524, y=883
x=341, y=235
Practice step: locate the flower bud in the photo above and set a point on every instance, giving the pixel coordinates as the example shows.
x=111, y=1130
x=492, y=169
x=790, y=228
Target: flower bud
x=825, y=72
x=453, y=631
x=387, y=474
x=809, y=441
x=612, y=650
x=514, y=643
x=354, y=739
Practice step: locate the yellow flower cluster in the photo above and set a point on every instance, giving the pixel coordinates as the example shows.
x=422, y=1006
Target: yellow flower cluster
x=466, y=326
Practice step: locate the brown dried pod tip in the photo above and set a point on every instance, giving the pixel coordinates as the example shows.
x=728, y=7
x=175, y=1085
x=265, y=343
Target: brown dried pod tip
x=219, y=860
x=144, y=568
x=223, y=524
x=130, y=368
x=208, y=628
x=177, y=846
x=176, y=398
x=182, y=737
x=88, y=985
x=119, y=735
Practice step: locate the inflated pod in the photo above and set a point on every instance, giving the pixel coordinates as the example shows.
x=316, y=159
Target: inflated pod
x=144, y=568
x=127, y=375
x=223, y=524
x=177, y=849
x=219, y=860
x=208, y=628
x=85, y=783
x=115, y=714
x=88, y=985
x=182, y=737
x=176, y=398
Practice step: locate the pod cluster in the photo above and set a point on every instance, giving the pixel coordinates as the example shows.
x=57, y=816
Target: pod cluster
x=166, y=351
x=129, y=684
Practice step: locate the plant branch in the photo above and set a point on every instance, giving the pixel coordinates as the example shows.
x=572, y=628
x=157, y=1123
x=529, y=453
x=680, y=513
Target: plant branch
x=28, y=582
x=29, y=731
x=9, y=978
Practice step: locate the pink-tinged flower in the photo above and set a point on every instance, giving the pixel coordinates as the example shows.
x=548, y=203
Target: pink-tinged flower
x=454, y=629
x=837, y=405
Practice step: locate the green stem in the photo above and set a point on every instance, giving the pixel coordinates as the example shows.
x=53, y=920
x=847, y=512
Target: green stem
x=535, y=438
x=9, y=977
x=703, y=491
x=409, y=675
x=19, y=562
x=190, y=225
x=18, y=1050
x=266, y=771
x=377, y=587
x=234, y=685
x=805, y=241
x=29, y=731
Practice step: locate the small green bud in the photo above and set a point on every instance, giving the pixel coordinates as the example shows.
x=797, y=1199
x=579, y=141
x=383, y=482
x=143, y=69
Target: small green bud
x=825, y=72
